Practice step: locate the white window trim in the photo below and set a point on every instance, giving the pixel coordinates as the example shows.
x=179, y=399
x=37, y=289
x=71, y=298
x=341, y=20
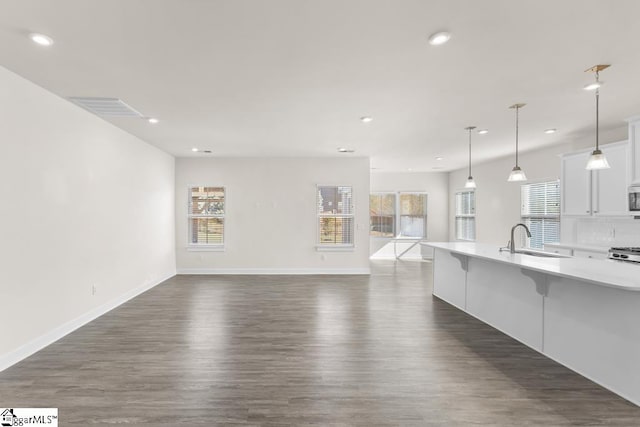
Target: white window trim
x=332, y=247
x=335, y=248
x=207, y=247
x=474, y=215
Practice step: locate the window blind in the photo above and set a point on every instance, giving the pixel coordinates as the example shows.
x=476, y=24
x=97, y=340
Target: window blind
x=465, y=215
x=335, y=215
x=206, y=215
x=540, y=211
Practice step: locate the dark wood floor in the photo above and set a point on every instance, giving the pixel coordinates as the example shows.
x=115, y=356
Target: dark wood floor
x=303, y=350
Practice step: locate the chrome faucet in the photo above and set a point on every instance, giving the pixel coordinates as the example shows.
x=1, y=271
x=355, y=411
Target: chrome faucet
x=512, y=244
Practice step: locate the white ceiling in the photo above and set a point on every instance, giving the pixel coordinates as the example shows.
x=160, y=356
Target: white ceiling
x=293, y=77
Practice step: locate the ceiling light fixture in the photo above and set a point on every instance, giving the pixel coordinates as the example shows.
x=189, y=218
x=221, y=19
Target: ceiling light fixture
x=366, y=119
x=548, y=131
x=439, y=38
x=41, y=39
x=517, y=174
x=195, y=150
x=597, y=160
x=345, y=150
x=470, y=182
x=595, y=85
x=483, y=131
x=439, y=159
x=152, y=120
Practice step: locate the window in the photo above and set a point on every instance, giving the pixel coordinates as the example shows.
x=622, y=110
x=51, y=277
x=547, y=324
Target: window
x=206, y=216
x=466, y=215
x=411, y=221
x=335, y=216
x=382, y=216
x=413, y=215
x=540, y=211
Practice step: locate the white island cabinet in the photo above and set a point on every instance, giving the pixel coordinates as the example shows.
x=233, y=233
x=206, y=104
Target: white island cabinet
x=582, y=313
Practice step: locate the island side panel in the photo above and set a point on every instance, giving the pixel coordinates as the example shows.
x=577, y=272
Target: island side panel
x=595, y=331
x=503, y=297
x=449, y=277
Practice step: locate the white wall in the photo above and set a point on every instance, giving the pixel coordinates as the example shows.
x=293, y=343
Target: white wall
x=83, y=203
x=497, y=200
x=270, y=224
x=436, y=186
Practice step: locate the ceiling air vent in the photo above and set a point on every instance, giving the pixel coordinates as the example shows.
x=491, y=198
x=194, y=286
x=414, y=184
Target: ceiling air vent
x=105, y=107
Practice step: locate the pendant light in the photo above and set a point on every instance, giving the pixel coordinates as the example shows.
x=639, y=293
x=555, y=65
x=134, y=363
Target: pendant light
x=517, y=174
x=470, y=182
x=597, y=160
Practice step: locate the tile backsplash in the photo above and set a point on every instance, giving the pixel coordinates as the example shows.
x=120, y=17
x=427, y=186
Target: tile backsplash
x=607, y=232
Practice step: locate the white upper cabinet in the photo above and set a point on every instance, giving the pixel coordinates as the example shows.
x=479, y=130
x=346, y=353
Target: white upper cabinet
x=634, y=141
x=575, y=185
x=596, y=193
x=610, y=185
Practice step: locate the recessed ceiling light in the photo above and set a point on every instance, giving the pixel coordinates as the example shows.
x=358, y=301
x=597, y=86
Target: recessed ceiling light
x=207, y=151
x=153, y=120
x=409, y=169
x=195, y=150
x=439, y=38
x=366, y=119
x=550, y=130
x=345, y=150
x=483, y=131
x=41, y=39
x=439, y=158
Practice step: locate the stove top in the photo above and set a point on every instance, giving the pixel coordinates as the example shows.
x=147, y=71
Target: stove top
x=629, y=254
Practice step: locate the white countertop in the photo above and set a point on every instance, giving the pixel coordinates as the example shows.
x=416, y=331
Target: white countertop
x=613, y=274
x=599, y=249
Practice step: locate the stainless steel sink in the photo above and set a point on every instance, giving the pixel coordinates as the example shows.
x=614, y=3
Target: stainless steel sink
x=540, y=254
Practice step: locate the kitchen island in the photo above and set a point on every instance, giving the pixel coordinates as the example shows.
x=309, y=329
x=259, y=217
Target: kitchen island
x=583, y=313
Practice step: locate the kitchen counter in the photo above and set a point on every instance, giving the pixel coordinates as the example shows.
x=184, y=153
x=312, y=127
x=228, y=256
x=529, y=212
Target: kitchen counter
x=583, y=313
x=610, y=273
x=599, y=249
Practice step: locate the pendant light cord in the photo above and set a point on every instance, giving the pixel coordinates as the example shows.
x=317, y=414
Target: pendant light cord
x=517, y=108
x=469, y=153
x=597, y=113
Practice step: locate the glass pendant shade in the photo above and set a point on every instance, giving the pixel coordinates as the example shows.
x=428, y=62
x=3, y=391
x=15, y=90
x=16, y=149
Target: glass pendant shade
x=470, y=183
x=597, y=160
x=517, y=174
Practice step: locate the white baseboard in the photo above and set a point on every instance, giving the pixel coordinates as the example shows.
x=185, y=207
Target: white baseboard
x=26, y=350
x=274, y=271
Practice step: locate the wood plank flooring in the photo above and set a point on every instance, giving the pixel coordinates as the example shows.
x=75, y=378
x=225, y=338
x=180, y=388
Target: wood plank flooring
x=303, y=351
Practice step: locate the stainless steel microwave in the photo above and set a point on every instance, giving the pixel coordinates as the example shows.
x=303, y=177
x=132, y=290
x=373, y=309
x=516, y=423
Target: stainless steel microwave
x=634, y=198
